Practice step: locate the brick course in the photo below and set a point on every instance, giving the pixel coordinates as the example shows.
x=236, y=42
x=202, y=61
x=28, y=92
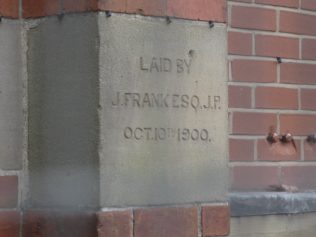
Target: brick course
x=282, y=3
x=252, y=123
x=241, y=150
x=9, y=224
x=9, y=8
x=165, y=222
x=253, y=18
x=215, y=220
x=254, y=71
x=276, y=98
x=252, y=178
x=277, y=46
x=239, y=43
x=309, y=49
x=205, y=10
x=297, y=23
x=115, y=224
x=53, y=223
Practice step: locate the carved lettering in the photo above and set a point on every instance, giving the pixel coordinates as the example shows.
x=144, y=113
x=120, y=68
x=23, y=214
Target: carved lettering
x=160, y=100
x=164, y=134
x=165, y=65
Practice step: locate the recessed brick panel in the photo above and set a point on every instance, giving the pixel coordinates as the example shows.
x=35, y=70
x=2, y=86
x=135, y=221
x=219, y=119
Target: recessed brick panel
x=79, y=5
x=239, y=96
x=38, y=8
x=247, y=178
x=308, y=5
x=147, y=7
x=254, y=71
x=297, y=23
x=9, y=8
x=298, y=124
x=253, y=18
x=297, y=73
x=239, y=43
x=308, y=99
x=282, y=3
x=166, y=222
x=276, y=98
x=309, y=49
x=8, y=191
x=206, y=10
x=115, y=224
x=252, y=123
x=9, y=224
x=303, y=177
x=59, y=223
x=241, y=150
x=277, y=46
x=278, y=151
x=112, y=5
x=215, y=220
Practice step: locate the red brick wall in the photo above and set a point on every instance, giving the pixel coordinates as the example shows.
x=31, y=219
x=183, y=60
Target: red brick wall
x=263, y=92
x=195, y=220
x=211, y=220
x=214, y=10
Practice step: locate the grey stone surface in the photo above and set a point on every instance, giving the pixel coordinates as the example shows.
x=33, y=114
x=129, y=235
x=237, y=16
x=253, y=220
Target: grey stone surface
x=163, y=111
x=63, y=118
x=274, y=226
x=269, y=203
x=11, y=87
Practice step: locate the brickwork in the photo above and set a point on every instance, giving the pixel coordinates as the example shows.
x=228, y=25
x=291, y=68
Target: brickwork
x=265, y=91
x=206, y=10
x=208, y=220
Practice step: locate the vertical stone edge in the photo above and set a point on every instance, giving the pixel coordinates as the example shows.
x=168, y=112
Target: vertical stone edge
x=63, y=100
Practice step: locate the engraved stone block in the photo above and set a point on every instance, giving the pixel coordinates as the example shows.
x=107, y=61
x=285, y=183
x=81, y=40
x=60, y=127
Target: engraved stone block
x=163, y=111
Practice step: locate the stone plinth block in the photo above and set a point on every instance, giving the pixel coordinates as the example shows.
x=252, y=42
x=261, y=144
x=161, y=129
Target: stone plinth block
x=163, y=111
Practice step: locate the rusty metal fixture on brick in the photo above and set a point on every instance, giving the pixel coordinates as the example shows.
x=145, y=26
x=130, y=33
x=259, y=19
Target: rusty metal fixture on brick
x=168, y=19
x=311, y=139
x=279, y=60
x=108, y=13
x=60, y=16
x=281, y=143
x=272, y=136
x=211, y=24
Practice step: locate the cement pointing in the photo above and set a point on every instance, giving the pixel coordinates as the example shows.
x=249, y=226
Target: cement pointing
x=63, y=106
x=11, y=92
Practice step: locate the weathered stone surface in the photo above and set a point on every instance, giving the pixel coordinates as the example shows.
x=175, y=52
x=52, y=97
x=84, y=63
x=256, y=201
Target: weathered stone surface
x=274, y=226
x=269, y=203
x=11, y=86
x=63, y=105
x=163, y=111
